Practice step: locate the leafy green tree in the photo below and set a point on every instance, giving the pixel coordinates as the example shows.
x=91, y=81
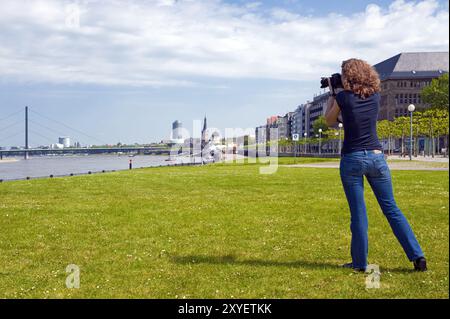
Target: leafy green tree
x=445, y=129
x=436, y=94
x=441, y=127
x=422, y=126
x=384, y=131
x=320, y=123
x=416, y=131
x=400, y=130
x=429, y=122
x=331, y=136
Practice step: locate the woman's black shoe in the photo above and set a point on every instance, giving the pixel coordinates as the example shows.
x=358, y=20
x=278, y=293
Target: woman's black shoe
x=420, y=264
x=350, y=265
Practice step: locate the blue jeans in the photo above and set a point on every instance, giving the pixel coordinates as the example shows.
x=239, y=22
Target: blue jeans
x=353, y=167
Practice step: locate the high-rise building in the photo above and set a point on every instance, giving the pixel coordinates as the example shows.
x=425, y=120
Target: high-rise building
x=403, y=77
x=300, y=119
x=176, y=130
x=284, y=124
x=305, y=115
x=261, y=134
x=65, y=141
x=317, y=109
x=177, y=133
x=271, y=120
x=296, y=123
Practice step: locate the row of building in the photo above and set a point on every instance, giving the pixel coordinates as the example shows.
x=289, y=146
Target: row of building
x=402, y=79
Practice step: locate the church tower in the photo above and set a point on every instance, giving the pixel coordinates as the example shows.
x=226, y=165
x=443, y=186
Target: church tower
x=204, y=133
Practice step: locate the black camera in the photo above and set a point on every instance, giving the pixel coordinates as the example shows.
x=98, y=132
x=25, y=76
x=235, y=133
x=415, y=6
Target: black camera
x=334, y=82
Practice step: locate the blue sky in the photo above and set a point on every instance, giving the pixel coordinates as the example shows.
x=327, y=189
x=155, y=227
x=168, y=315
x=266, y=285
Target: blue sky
x=319, y=7
x=124, y=73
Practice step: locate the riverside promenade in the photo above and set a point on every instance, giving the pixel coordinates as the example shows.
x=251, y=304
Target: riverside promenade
x=394, y=163
x=8, y=160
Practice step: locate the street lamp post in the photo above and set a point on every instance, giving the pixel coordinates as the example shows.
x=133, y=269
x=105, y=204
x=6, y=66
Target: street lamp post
x=316, y=136
x=335, y=134
x=305, y=135
x=411, y=109
x=320, y=141
x=340, y=135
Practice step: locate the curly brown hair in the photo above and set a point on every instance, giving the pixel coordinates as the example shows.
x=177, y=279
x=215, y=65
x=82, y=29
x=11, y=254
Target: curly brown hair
x=360, y=77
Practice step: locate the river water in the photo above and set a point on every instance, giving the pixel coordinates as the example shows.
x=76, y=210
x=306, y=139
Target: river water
x=44, y=166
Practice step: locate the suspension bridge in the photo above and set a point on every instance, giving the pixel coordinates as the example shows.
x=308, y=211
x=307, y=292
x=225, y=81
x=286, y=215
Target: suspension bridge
x=36, y=127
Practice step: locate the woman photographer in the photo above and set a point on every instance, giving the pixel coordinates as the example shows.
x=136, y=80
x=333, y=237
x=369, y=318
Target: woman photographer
x=362, y=155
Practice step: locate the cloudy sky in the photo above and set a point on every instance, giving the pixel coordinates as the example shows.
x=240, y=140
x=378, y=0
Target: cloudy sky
x=124, y=70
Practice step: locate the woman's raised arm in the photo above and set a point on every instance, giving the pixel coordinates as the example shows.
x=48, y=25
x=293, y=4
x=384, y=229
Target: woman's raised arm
x=332, y=112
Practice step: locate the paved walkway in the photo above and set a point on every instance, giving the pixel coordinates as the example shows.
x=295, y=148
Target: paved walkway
x=407, y=165
x=436, y=159
x=8, y=160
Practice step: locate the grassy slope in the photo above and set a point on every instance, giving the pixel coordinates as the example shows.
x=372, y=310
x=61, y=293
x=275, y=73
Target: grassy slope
x=213, y=232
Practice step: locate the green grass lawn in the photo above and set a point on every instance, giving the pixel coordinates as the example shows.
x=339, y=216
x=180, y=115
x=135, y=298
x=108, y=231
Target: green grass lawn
x=217, y=231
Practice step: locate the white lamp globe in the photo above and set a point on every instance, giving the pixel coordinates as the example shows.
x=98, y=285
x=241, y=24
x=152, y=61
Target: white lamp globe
x=411, y=107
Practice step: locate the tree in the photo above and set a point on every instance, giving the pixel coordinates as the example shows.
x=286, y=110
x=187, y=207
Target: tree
x=423, y=126
x=284, y=144
x=331, y=138
x=436, y=94
x=416, y=131
x=441, y=127
x=384, y=132
x=430, y=117
x=401, y=129
x=320, y=123
x=432, y=124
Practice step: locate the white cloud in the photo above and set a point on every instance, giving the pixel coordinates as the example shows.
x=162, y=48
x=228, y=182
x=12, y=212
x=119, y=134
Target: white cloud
x=168, y=42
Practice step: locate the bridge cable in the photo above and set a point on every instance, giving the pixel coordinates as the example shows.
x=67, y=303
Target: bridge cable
x=9, y=126
x=10, y=115
x=42, y=136
x=54, y=131
x=11, y=136
x=69, y=127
